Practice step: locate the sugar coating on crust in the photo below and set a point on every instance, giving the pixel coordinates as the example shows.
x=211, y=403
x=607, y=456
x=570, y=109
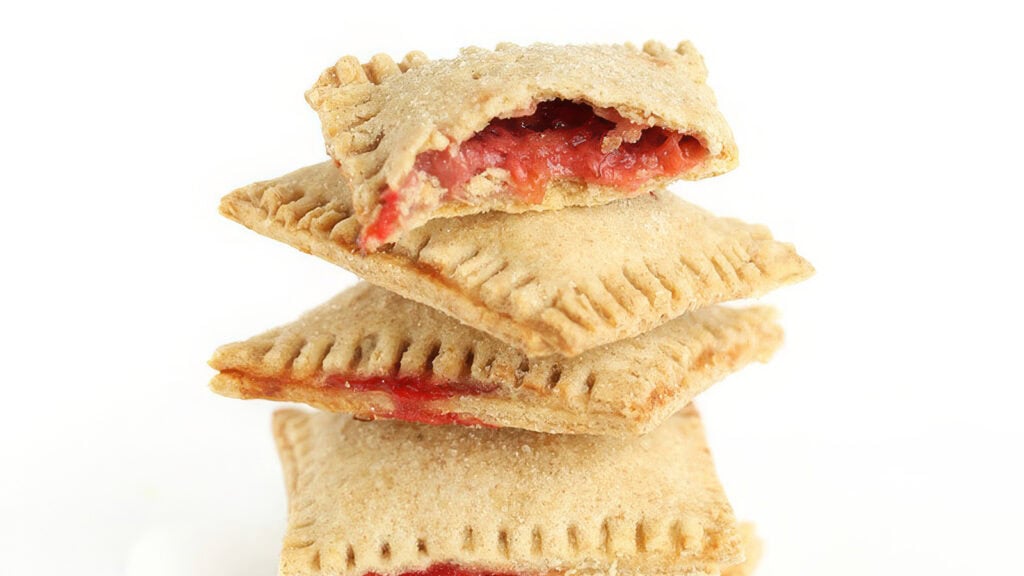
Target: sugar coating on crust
x=391, y=497
x=545, y=282
x=627, y=387
x=379, y=115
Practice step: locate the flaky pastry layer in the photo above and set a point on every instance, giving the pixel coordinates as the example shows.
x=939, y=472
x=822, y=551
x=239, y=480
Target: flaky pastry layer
x=349, y=355
x=545, y=282
x=380, y=115
x=752, y=549
x=389, y=497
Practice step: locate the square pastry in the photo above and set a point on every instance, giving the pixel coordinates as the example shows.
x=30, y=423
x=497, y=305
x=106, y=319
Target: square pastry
x=372, y=353
x=560, y=281
x=518, y=128
x=395, y=498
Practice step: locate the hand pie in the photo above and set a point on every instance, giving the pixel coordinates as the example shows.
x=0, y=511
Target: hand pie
x=561, y=281
x=395, y=498
x=518, y=128
x=372, y=353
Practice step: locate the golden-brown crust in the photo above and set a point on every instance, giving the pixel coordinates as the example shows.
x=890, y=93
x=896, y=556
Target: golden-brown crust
x=378, y=116
x=366, y=333
x=545, y=282
x=389, y=497
x=752, y=547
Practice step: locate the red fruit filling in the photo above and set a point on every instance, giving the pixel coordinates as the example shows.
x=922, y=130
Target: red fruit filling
x=411, y=397
x=451, y=570
x=561, y=139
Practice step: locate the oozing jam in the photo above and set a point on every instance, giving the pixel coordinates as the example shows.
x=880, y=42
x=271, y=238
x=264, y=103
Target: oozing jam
x=410, y=397
x=561, y=139
x=450, y=570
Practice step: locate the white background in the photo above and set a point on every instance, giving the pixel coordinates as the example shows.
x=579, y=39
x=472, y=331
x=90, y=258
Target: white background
x=884, y=139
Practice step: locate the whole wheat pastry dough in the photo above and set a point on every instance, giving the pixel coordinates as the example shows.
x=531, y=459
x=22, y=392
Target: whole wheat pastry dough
x=551, y=282
x=390, y=497
x=373, y=353
x=751, y=551
x=397, y=129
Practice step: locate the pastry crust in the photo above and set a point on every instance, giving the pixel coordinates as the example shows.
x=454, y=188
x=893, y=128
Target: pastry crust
x=390, y=497
x=752, y=547
x=369, y=334
x=380, y=115
x=545, y=282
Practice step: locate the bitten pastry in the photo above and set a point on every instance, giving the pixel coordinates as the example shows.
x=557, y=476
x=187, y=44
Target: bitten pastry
x=561, y=281
x=395, y=498
x=518, y=128
x=375, y=354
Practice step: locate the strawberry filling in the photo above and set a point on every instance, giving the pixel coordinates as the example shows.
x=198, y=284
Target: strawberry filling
x=412, y=398
x=411, y=395
x=450, y=570
x=561, y=139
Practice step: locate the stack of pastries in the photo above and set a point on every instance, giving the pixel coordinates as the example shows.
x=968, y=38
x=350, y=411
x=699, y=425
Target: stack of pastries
x=509, y=391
